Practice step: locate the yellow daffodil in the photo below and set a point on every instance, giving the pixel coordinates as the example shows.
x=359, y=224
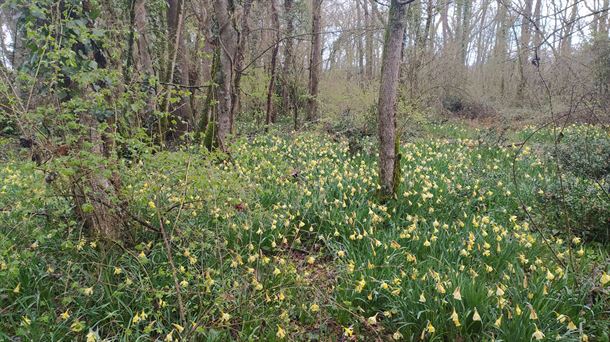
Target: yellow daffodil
x=178, y=327
x=605, y=279
x=457, y=294
x=280, y=332
x=476, y=316
x=455, y=319
x=538, y=335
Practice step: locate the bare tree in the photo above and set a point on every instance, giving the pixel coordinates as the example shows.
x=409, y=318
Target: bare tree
x=568, y=28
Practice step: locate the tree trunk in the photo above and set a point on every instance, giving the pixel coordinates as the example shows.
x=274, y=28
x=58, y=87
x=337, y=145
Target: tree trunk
x=93, y=187
x=368, y=41
x=179, y=68
x=315, y=60
x=481, y=51
x=287, y=69
x=428, y=27
x=463, y=18
x=538, y=21
x=242, y=37
x=524, y=48
x=359, y=45
x=447, y=35
x=227, y=45
x=270, y=118
x=566, y=42
x=144, y=60
x=604, y=23
x=500, y=48
x=390, y=67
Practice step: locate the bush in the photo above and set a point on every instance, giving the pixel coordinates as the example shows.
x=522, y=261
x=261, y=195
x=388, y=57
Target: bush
x=466, y=108
x=583, y=195
x=584, y=205
x=585, y=156
x=453, y=103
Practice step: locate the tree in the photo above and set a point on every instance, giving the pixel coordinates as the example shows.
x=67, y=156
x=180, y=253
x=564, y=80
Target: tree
x=389, y=158
x=524, y=48
x=178, y=69
x=270, y=117
x=287, y=68
x=73, y=142
x=500, y=47
x=144, y=60
x=359, y=45
x=242, y=38
x=226, y=49
x=368, y=40
x=566, y=41
x=315, y=58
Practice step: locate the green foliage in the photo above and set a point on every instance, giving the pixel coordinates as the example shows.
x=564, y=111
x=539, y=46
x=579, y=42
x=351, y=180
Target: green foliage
x=584, y=153
x=581, y=201
x=292, y=222
x=349, y=104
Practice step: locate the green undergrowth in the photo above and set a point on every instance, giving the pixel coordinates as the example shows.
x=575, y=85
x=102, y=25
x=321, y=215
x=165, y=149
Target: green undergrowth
x=286, y=240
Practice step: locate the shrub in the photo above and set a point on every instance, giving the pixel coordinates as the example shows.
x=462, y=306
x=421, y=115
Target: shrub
x=453, y=103
x=583, y=204
x=582, y=196
x=467, y=108
x=585, y=155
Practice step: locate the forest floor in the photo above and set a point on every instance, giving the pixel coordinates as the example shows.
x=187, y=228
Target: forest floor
x=287, y=240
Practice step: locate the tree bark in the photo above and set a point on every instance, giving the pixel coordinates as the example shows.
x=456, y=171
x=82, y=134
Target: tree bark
x=227, y=45
x=604, y=23
x=315, y=63
x=359, y=45
x=524, y=48
x=94, y=189
x=287, y=68
x=386, y=107
x=464, y=15
x=368, y=41
x=242, y=36
x=447, y=36
x=481, y=51
x=428, y=27
x=500, y=48
x=144, y=60
x=179, y=67
x=538, y=21
x=270, y=118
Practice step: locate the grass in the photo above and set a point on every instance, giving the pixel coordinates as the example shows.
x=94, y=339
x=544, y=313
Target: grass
x=288, y=242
